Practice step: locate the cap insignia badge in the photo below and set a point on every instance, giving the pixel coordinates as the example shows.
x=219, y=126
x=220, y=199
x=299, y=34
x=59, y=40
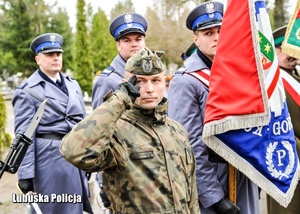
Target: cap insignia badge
x=147, y=65
x=52, y=38
x=128, y=18
x=210, y=9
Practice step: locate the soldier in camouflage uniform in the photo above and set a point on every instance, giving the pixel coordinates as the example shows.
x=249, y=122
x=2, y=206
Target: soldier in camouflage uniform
x=129, y=31
x=147, y=162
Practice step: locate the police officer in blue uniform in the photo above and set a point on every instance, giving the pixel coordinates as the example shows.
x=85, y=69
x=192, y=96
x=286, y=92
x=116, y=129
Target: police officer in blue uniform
x=43, y=170
x=187, y=95
x=129, y=31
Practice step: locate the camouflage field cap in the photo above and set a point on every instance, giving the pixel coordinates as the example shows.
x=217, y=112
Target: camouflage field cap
x=145, y=62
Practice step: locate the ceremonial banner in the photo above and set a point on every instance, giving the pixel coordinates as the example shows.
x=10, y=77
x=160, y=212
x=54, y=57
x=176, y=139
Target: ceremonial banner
x=291, y=43
x=246, y=116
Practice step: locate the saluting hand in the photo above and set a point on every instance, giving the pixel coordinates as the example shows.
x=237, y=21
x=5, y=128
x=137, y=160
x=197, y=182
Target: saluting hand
x=130, y=88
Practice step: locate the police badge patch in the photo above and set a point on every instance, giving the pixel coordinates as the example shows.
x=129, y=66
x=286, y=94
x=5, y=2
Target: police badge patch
x=147, y=65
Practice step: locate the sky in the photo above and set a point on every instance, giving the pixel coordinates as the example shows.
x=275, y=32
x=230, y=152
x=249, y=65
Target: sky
x=107, y=5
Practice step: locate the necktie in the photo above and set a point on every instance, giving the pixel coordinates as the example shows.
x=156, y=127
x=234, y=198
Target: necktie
x=58, y=83
x=61, y=86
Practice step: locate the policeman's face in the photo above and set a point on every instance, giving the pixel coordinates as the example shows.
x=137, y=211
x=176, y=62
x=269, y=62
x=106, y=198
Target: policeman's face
x=49, y=63
x=129, y=44
x=285, y=60
x=152, y=89
x=206, y=40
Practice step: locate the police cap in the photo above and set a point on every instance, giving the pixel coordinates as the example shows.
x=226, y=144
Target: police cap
x=278, y=35
x=47, y=43
x=145, y=62
x=128, y=23
x=205, y=15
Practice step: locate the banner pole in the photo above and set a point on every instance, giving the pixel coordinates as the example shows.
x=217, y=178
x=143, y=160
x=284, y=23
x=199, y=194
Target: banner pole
x=232, y=183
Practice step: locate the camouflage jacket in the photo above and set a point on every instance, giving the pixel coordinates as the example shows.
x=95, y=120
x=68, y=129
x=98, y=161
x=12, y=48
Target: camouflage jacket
x=147, y=163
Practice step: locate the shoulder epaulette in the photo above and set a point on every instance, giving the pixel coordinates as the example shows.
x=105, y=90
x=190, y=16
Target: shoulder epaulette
x=22, y=85
x=69, y=78
x=180, y=71
x=107, y=71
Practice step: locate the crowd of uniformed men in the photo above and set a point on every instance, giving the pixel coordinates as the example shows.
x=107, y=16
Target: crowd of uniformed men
x=146, y=148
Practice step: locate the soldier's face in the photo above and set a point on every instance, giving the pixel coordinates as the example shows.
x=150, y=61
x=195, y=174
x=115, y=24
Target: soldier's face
x=285, y=60
x=49, y=63
x=129, y=44
x=152, y=89
x=206, y=40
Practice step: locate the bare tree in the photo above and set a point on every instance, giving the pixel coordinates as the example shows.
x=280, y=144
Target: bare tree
x=167, y=29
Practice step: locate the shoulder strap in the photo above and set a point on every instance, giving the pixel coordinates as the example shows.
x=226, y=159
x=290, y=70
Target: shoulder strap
x=107, y=71
x=202, y=75
x=181, y=71
x=51, y=106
